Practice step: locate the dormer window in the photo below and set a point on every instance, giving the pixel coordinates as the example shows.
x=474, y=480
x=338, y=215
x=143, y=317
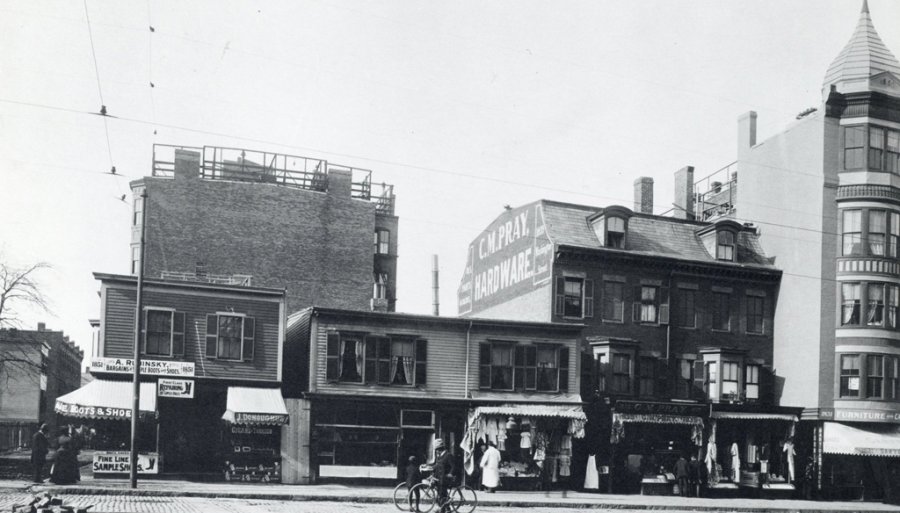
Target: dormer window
x=615, y=233
x=725, y=246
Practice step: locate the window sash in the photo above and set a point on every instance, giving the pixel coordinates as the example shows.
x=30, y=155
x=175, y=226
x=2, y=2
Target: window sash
x=755, y=314
x=573, y=295
x=158, y=332
x=725, y=246
x=649, y=303
x=850, y=376
x=621, y=373
x=687, y=313
x=613, y=301
x=850, y=304
x=854, y=147
x=851, y=232
x=382, y=242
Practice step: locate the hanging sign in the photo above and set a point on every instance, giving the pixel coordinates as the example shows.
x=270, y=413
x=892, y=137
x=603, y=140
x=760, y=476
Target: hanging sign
x=177, y=388
x=148, y=367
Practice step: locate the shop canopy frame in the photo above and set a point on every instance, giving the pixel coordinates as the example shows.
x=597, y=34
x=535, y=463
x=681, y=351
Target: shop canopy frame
x=260, y=406
x=743, y=415
x=859, y=441
x=106, y=399
x=620, y=419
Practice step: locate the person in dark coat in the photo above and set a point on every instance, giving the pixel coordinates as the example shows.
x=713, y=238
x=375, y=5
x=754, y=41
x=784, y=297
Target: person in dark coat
x=40, y=446
x=443, y=472
x=413, y=477
x=65, y=467
x=682, y=474
x=694, y=475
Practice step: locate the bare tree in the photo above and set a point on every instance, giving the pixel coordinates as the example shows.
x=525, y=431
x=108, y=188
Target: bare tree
x=19, y=288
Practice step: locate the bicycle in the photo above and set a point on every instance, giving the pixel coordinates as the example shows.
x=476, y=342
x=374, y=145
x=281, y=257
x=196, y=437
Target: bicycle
x=460, y=499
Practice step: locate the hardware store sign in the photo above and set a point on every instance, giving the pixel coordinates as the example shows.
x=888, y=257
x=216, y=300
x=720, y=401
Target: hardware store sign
x=148, y=367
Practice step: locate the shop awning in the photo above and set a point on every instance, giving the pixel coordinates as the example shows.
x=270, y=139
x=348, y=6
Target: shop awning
x=743, y=415
x=858, y=441
x=104, y=399
x=620, y=419
x=533, y=410
x=255, y=406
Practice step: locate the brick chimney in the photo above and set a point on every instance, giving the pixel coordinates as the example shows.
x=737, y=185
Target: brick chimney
x=42, y=326
x=643, y=195
x=340, y=183
x=746, y=133
x=187, y=164
x=684, y=193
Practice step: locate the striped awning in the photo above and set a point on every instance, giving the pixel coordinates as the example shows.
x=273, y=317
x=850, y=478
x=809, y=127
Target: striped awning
x=533, y=410
x=880, y=440
x=255, y=406
x=104, y=399
x=743, y=415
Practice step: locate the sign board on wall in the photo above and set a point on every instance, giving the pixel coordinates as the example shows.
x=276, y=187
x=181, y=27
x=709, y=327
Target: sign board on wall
x=511, y=257
x=859, y=415
x=119, y=462
x=177, y=388
x=148, y=367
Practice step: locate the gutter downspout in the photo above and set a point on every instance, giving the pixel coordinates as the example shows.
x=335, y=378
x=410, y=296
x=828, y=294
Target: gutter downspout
x=468, y=339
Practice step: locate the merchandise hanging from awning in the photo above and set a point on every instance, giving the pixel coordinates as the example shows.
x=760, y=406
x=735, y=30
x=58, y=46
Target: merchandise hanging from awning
x=104, y=399
x=619, y=420
x=255, y=406
x=533, y=410
x=858, y=441
x=742, y=415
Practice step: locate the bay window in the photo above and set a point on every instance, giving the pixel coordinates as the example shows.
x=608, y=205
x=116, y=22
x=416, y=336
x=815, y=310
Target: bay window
x=621, y=373
x=851, y=232
x=849, y=380
x=875, y=305
x=874, y=376
x=850, y=304
x=854, y=147
x=730, y=379
x=751, y=382
x=883, y=146
x=876, y=232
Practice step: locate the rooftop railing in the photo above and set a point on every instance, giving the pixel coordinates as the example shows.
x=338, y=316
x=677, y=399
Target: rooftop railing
x=716, y=194
x=243, y=280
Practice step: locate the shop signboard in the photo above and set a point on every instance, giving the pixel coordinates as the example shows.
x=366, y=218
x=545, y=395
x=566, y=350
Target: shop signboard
x=119, y=462
x=176, y=388
x=148, y=367
x=660, y=408
x=92, y=412
x=510, y=258
x=859, y=415
x=260, y=418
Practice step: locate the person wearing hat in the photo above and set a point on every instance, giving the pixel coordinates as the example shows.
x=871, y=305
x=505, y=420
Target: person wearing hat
x=443, y=472
x=40, y=446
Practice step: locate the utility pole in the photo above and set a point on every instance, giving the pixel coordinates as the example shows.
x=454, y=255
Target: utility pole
x=136, y=376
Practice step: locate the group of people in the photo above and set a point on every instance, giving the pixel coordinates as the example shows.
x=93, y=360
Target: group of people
x=444, y=468
x=64, y=469
x=689, y=476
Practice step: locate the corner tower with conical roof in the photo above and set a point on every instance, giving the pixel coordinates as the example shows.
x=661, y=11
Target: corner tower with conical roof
x=825, y=194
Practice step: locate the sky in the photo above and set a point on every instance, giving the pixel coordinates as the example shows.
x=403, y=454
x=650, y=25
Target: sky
x=463, y=106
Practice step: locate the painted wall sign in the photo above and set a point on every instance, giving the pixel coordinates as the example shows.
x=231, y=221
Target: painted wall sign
x=148, y=367
x=859, y=415
x=177, y=388
x=511, y=257
x=120, y=463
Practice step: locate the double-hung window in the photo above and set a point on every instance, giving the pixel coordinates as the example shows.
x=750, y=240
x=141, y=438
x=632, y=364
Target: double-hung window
x=574, y=297
x=875, y=304
x=547, y=368
x=751, y=382
x=684, y=378
x=874, y=376
x=884, y=149
x=721, y=311
x=648, y=308
x=891, y=390
x=621, y=373
x=380, y=290
x=615, y=232
x=712, y=374
x=646, y=375
x=230, y=336
x=382, y=242
x=613, y=302
x=496, y=366
x=163, y=332
x=755, y=314
x=892, y=155
x=686, y=309
x=851, y=232
x=876, y=235
x=854, y=147
x=725, y=246
x=382, y=360
x=850, y=304
x=849, y=375
x=731, y=378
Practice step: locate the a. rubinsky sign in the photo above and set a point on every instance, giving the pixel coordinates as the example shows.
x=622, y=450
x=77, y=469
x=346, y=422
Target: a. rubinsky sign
x=511, y=257
x=148, y=367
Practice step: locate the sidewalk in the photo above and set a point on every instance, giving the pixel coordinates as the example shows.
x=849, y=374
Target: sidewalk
x=344, y=493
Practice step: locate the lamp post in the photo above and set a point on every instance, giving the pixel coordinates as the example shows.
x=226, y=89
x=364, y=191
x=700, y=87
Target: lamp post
x=136, y=376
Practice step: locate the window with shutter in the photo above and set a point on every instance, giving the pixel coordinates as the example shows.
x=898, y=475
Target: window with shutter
x=484, y=365
x=530, y=368
x=370, y=351
x=178, y=334
x=700, y=384
x=519, y=376
x=547, y=368
x=158, y=332
x=588, y=298
x=212, y=334
x=249, y=338
x=560, y=302
x=332, y=356
x=421, y=362
x=563, y=369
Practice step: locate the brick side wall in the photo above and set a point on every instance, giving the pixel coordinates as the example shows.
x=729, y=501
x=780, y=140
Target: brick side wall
x=316, y=245
x=119, y=330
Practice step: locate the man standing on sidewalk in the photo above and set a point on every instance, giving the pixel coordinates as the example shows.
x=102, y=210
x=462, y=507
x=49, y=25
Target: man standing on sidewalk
x=39, y=449
x=681, y=475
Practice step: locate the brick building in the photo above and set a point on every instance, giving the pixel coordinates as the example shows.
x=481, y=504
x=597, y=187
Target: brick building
x=826, y=191
x=323, y=231
x=677, y=347
x=36, y=367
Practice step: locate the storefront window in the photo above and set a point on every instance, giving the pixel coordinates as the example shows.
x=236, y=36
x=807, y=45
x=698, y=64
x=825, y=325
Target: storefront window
x=849, y=375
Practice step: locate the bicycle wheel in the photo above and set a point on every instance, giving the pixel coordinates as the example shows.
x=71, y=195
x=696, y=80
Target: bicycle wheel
x=421, y=498
x=401, y=495
x=463, y=499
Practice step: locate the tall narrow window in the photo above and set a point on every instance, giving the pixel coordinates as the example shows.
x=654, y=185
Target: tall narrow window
x=721, y=311
x=158, y=333
x=613, y=302
x=876, y=232
x=135, y=259
x=893, y=305
x=621, y=369
x=502, y=366
x=850, y=303
x=687, y=313
x=138, y=217
x=854, y=147
x=351, y=358
x=755, y=314
x=874, y=376
x=683, y=378
x=646, y=375
x=751, y=382
x=725, y=246
x=403, y=360
x=892, y=155
x=891, y=376
x=382, y=242
x=573, y=297
x=615, y=232
x=712, y=379
x=875, y=310
x=649, y=303
x=601, y=371
x=547, y=368
x=876, y=147
x=849, y=375
x=380, y=291
x=851, y=232
x=730, y=378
